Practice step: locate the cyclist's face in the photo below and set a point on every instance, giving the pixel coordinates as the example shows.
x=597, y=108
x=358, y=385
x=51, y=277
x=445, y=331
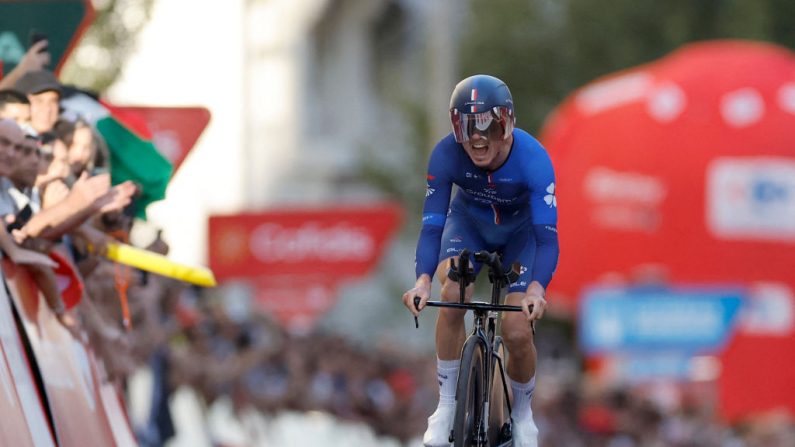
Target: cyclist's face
x=486, y=148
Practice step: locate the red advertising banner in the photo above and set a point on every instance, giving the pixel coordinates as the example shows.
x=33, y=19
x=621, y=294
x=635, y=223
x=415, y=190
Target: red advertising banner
x=66, y=365
x=117, y=415
x=339, y=242
x=22, y=417
x=173, y=130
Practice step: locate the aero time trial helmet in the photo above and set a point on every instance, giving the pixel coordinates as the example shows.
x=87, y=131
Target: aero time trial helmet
x=484, y=104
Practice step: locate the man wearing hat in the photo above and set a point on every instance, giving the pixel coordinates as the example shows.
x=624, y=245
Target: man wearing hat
x=44, y=93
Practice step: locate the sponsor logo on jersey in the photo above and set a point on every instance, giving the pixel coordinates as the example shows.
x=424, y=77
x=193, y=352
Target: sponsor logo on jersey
x=550, y=198
x=429, y=190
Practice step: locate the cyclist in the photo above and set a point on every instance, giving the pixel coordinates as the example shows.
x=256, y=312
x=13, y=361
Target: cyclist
x=505, y=201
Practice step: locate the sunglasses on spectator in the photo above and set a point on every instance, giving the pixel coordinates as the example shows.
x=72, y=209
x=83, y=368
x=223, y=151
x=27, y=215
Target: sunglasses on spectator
x=5, y=142
x=27, y=150
x=23, y=148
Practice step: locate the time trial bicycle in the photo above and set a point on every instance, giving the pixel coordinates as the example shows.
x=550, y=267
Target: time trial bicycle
x=479, y=415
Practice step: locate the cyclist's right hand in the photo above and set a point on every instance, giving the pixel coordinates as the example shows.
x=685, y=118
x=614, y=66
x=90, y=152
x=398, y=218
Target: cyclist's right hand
x=421, y=289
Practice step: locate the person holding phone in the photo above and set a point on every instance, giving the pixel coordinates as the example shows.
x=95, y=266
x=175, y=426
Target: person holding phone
x=34, y=37
x=36, y=58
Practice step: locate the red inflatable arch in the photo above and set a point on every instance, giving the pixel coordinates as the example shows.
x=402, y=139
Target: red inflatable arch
x=688, y=164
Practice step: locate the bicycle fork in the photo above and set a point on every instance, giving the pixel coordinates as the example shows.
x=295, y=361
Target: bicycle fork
x=504, y=384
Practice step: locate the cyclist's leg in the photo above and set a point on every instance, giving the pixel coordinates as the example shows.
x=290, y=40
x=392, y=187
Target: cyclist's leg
x=519, y=341
x=516, y=332
x=518, y=337
x=458, y=234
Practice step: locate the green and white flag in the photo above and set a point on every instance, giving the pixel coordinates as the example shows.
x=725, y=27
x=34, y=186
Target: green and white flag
x=133, y=156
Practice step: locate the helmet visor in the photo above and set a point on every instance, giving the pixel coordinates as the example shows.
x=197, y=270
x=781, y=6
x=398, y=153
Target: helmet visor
x=493, y=124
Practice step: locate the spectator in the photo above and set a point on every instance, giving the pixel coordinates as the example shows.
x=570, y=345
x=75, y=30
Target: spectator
x=44, y=94
x=15, y=105
x=54, y=164
x=81, y=144
x=11, y=136
x=23, y=176
x=36, y=58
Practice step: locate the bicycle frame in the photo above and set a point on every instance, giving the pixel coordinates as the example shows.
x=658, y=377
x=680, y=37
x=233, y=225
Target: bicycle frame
x=485, y=326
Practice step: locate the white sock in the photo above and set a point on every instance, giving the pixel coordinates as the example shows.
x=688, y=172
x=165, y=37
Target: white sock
x=522, y=395
x=447, y=373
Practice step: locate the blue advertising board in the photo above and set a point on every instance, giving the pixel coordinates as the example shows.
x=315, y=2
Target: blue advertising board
x=622, y=320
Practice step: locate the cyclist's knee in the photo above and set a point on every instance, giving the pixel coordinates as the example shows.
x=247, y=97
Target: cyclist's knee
x=450, y=294
x=450, y=291
x=516, y=331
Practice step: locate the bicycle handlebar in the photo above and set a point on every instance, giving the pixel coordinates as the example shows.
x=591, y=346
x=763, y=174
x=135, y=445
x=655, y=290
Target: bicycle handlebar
x=477, y=305
x=464, y=274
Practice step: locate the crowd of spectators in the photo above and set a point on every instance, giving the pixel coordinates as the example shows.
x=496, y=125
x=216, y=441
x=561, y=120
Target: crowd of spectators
x=258, y=365
x=58, y=210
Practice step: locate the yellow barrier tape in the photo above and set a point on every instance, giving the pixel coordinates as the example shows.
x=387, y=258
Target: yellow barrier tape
x=156, y=263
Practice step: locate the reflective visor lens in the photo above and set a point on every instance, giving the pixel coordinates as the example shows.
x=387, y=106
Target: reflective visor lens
x=487, y=124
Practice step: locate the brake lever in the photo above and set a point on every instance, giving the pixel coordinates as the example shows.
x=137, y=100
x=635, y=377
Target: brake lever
x=416, y=306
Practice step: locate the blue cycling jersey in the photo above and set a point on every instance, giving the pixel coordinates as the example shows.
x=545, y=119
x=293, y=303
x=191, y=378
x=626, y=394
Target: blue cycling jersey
x=517, y=196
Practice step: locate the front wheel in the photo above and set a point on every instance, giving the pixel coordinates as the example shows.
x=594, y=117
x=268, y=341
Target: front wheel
x=469, y=395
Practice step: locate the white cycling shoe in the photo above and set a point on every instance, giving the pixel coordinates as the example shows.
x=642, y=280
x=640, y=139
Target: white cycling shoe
x=439, y=425
x=525, y=433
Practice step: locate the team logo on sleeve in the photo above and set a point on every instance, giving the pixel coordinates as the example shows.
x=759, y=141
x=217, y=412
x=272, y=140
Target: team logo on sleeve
x=429, y=190
x=550, y=198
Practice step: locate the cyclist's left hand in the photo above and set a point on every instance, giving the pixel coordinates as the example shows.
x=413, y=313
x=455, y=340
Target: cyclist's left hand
x=422, y=290
x=537, y=303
